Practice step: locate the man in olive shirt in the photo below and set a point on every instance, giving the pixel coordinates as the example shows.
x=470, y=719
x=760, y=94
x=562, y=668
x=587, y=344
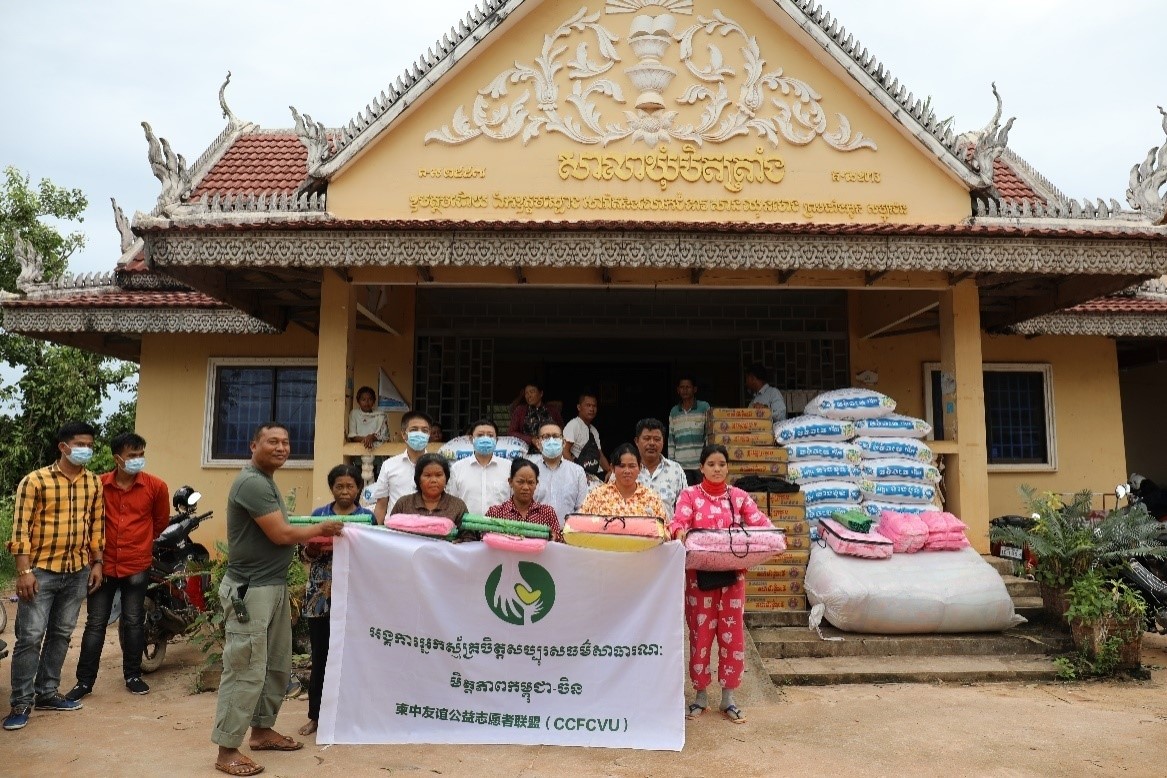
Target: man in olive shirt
x=257, y=657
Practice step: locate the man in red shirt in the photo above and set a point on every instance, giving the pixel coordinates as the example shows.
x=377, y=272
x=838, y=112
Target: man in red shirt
x=137, y=509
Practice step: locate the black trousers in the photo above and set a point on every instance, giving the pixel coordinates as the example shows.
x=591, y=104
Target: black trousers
x=318, y=632
x=131, y=626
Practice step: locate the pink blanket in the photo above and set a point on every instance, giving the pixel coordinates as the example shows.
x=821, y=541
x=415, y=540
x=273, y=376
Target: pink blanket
x=735, y=548
x=907, y=532
x=869, y=545
x=430, y=526
x=945, y=531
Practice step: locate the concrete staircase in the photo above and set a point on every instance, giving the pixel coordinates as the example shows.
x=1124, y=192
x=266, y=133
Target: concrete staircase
x=793, y=655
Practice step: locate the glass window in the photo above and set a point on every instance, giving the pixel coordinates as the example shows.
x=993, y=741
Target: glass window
x=245, y=397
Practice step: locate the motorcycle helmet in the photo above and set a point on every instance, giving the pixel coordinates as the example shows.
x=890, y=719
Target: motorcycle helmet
x=185, y=498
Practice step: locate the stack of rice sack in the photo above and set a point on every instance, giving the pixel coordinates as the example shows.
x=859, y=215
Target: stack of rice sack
x=746, y=435
x=898, y=474
x=822, y=462
x=777, y=585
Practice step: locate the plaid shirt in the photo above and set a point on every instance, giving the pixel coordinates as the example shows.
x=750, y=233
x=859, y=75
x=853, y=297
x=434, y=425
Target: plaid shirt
x=59, y=523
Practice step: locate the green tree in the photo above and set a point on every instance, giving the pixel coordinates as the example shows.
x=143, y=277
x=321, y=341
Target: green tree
x=21, y=209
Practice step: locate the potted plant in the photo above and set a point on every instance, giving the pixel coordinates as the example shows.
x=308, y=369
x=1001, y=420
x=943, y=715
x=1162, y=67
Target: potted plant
x=1106, y=623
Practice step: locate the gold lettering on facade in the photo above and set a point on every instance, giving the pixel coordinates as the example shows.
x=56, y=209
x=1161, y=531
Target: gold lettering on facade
x=666, y=167
x=831, y=208
x=438, y=203
x=884, y=210
x=465, y=171
x=856, y=176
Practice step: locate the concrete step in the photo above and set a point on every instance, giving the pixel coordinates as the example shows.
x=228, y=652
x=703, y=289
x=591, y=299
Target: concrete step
x=909, y=669
x=778, y=619
x=802, y=643
x=1002, y=566
x=1029, y=607
x=1021, y=587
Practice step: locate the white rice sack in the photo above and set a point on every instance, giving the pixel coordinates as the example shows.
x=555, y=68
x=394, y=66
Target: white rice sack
x=826, y=510
x=812, y=470
x=910, y=593
x=906, y=448
x=898, y=491
x=831, y=491
x=507, y=447
x=832, y=452
x=899, y=469
x=894, y=426
x=851, y=404
x=813, y=428
x=875, y=508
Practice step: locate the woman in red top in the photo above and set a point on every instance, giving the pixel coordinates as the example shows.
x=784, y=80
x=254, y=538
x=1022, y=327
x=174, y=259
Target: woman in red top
x=522, y=506
x=716, y=613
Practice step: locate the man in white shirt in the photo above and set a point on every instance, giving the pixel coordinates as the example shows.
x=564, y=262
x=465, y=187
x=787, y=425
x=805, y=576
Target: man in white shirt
x=563, y=485
x=657, y=472
x=481, y=480
x=765, y=396
x=582, y=439
x=396, y=477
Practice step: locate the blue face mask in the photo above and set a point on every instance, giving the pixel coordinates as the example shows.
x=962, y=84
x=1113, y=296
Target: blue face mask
x=417, y=440
x=484, y=444
x=80, y=455
x=135, y=465
x=552, y=448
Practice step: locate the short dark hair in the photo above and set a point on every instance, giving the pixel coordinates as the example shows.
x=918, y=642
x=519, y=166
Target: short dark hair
x=340, y=471
x=519, y=463
x=126, y=440
x=549, y=423
x=366, y=390
x=72, y=429
x=621, y=450
x=649, y=424
x=268, y=425
x=409, y=416
x=424, y=461
x=482, y=423
x=713, y=448
x=759, y=371
x=688, y=377
x=588, y=393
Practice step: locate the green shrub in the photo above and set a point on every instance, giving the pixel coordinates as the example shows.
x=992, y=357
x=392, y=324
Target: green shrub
x=7, y=561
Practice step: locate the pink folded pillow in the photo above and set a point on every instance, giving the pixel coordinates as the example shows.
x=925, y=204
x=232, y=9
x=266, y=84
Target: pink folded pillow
x=502, y=542
x=430, y=526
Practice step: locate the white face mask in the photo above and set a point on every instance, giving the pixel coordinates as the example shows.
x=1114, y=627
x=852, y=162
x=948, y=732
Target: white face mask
x=134, y=465
x=80, y=455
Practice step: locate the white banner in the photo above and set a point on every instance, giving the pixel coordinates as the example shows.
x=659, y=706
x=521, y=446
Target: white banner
x=435, y=642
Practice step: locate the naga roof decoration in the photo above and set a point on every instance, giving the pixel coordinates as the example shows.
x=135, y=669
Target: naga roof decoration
x=1148, y=180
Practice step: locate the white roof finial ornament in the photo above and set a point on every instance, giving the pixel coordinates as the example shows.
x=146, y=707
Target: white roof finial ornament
x=123, y=225
x=1147, y=181
x=228, y=114
x=170, y=169
x=990, y=145
x=32, y=264
x=314, y=138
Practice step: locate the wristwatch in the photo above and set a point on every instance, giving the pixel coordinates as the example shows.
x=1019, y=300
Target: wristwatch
x=25, y=572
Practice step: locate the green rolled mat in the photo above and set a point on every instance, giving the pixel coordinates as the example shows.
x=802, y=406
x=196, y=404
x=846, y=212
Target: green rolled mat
x=526, y=529
x=355, y=518
x=854, y=520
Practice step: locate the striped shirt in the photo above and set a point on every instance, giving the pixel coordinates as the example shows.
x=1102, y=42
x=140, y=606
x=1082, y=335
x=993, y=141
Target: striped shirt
x=58, y=523
x=687, y=434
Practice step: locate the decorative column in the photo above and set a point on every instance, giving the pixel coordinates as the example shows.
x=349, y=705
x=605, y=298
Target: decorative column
x=334, y=367
x=962, y=385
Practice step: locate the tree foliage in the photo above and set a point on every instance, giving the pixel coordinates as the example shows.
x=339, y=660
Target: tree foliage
x=21, y=209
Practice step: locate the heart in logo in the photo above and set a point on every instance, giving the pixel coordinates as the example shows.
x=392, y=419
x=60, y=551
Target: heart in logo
x=526, y=595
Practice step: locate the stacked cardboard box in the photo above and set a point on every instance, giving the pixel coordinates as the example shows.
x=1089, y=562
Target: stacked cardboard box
x=748, y=435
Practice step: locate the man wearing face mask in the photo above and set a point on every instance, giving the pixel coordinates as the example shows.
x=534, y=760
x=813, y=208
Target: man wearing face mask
x=137, y=509
x=58, y=533
x=563, y=485
x=396, y=477
x=480, y=480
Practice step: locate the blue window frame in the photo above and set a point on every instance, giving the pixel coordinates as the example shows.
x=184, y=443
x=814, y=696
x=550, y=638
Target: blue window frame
x=247, y=396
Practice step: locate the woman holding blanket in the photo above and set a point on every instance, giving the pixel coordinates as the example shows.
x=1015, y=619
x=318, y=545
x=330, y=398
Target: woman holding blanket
x=522, y=506
x=720, y=611
x=624, y=496
x=344, y=481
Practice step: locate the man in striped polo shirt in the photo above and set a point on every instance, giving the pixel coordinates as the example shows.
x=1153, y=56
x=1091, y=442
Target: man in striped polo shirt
x=687, y=429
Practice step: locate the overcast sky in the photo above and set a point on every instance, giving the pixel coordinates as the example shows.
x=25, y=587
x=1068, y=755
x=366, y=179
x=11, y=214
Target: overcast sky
x=1082, y=77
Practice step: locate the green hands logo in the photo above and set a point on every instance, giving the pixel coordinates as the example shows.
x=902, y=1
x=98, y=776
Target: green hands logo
x=520, y=594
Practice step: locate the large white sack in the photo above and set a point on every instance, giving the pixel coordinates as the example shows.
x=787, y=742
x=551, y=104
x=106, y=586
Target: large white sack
x=850, y=404
x=950, y=591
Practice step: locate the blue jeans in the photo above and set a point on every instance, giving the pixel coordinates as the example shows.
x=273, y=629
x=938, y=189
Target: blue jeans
x=43, y=629
x=131, y=627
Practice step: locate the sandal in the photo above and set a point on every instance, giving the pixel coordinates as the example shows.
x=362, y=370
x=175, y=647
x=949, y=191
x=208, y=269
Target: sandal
x=734, y=714
x=695, y=711
x=239, y=766
x=283, y=743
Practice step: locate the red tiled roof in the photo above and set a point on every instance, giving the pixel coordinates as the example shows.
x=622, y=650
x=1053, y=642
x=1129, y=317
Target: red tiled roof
x=1129, y=305
x=121, y=299
x=257, y=163
x=1011, y=186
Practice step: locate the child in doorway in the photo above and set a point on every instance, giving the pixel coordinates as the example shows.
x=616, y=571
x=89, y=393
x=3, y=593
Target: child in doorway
x=367, y=425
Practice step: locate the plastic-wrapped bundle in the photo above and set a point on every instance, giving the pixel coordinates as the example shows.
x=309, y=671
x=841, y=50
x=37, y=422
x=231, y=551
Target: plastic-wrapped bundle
x=826, y=510
x=869, y=545
x=907, y=448
x=813, y=428
x=430, y=526
x=899, y=491
x=945, y=531
x=874, y=508
x=907, y=532
x=812, y=470
x=894, y=426
x=910, y=593
x=831, y=491
x=514, y=543
x=733, y=548
x=899, y=469
x=825, y=450
x=613, y=533
x=851, y=404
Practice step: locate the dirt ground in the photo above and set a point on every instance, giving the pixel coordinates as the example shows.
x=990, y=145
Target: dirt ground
x=1087, y=729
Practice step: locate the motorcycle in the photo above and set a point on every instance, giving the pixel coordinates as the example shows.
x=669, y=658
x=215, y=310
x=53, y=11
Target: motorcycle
x=1141, y=490
x=1148, y=576
x=178, y=580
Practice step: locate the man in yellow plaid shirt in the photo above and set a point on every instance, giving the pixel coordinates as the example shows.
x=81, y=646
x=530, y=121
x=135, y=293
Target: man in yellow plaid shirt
x=58, y=533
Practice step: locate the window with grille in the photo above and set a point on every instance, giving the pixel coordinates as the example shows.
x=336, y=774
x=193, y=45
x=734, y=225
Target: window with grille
x=245, y=394
x=1019, y=418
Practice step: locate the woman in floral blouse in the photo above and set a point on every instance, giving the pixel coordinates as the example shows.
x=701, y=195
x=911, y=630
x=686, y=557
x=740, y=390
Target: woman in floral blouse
x=344, y=481
x=624, y=496
x=522, y=506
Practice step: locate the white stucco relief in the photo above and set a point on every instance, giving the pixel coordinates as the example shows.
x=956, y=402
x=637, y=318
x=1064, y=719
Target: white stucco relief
x=654, y=108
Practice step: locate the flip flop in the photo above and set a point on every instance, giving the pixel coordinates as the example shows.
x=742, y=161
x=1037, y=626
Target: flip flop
x=734, y=714
x=240, y=766
x=695, y=711
x=285, y=743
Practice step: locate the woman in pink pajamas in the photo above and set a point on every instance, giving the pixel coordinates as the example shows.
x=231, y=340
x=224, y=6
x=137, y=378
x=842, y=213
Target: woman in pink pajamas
x=716, y=613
